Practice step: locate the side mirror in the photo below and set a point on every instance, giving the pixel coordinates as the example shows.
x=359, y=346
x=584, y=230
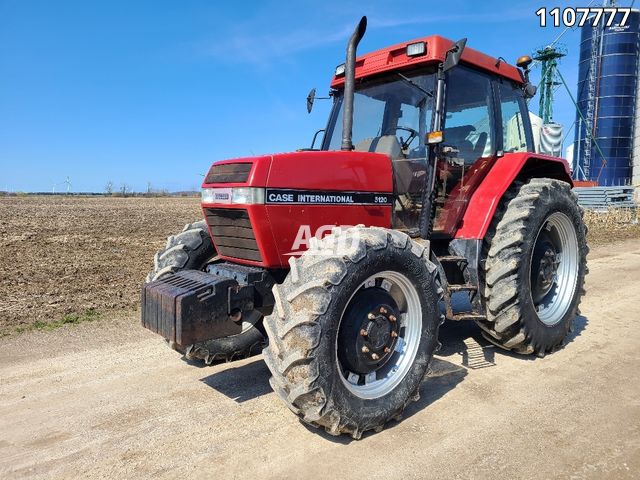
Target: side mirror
x=310, y=99
x=529, y=90
x=454, y=54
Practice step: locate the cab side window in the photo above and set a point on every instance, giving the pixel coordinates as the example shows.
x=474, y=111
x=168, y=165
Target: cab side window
x=469, y=125
x=514, y=118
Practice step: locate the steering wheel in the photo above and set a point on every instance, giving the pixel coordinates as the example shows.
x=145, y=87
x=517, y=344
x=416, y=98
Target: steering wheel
x=412, y=135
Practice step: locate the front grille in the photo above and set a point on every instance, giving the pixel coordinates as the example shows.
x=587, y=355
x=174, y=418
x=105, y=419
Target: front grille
x=232, y=233
x=229, y=173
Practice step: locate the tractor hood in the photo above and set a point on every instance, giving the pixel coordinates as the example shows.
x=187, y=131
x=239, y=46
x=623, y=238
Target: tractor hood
x=257, y=208
x=324, y=170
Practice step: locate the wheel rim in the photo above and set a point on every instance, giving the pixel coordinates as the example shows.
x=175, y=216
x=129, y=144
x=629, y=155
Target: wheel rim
x=554, y=268
x=392, y=320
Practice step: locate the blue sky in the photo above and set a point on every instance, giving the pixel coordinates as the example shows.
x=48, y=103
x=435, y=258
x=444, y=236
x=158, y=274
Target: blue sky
x=155, y=91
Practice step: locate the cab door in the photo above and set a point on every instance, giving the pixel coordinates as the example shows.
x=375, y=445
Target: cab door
x=470, y=144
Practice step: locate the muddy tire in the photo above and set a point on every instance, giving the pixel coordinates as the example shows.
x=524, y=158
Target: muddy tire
x=192, y=249
x=315, y=353
x=534, y=267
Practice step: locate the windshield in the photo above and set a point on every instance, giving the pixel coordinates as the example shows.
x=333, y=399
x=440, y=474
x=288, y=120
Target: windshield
x=400, y=106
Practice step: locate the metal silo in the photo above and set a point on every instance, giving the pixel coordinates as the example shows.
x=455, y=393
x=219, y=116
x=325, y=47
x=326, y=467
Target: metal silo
x=607, y=98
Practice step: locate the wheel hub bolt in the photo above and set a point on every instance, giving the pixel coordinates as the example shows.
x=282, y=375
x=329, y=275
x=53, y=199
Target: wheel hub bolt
x=371, y=316
x=365, y=349
x=375, y=356
x=363, y=332
x=383, y=310
x=392, y=318
x=394, y=334
x=387, y=349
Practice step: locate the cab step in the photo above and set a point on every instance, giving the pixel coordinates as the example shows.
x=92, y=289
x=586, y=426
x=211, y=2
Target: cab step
x=460, y=316
x=452, y=259
x=462, y=288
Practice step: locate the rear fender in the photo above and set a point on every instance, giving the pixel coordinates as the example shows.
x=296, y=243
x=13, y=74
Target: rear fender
x=505, y=171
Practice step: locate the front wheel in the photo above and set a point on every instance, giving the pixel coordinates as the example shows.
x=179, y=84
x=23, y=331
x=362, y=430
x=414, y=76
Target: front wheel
x=535, y=264
x=353, y=330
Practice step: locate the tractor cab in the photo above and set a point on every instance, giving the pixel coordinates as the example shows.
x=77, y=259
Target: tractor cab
x=395, y=112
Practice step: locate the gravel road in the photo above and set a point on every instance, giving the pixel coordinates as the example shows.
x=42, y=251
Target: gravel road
x=110, y=400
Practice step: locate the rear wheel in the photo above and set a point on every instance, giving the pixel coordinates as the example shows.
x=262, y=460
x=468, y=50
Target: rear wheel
x=192, y=249
x=535, y=264
x=354, y=328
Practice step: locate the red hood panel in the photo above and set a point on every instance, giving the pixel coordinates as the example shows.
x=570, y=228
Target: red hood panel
x=338, y=171
x=333, y=170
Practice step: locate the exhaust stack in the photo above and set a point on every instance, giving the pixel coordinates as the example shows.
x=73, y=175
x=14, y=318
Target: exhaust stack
x=349, y=84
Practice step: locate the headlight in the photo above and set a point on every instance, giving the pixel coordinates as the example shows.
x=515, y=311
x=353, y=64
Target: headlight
x=237, y=195
x=247, y=195
x=340, y=70
x=415, y=49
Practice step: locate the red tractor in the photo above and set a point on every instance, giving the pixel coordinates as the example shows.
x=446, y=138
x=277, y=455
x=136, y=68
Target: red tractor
x=343, y=259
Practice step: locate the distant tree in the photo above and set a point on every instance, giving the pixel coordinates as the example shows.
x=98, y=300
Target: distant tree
x=108, y=188
x=149, y=188
x=125, y=189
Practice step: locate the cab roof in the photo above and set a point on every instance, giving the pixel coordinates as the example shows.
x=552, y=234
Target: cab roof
x=395, y=58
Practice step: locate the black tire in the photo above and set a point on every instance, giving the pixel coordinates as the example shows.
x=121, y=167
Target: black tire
x=303, y=329
x=513, y=321
x=192, y=249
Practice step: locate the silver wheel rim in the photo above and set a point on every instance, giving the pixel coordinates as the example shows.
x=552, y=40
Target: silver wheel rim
x=386, y=379
x=560, y=230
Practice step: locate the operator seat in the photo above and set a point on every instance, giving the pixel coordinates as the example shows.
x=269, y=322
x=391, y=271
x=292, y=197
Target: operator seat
x=458, y=138
x=386, y=144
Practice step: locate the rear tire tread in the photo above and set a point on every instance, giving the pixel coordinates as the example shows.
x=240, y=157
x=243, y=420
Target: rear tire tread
x=503, y=257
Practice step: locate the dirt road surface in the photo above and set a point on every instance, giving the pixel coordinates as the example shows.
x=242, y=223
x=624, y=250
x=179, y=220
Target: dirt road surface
x=109, y=400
